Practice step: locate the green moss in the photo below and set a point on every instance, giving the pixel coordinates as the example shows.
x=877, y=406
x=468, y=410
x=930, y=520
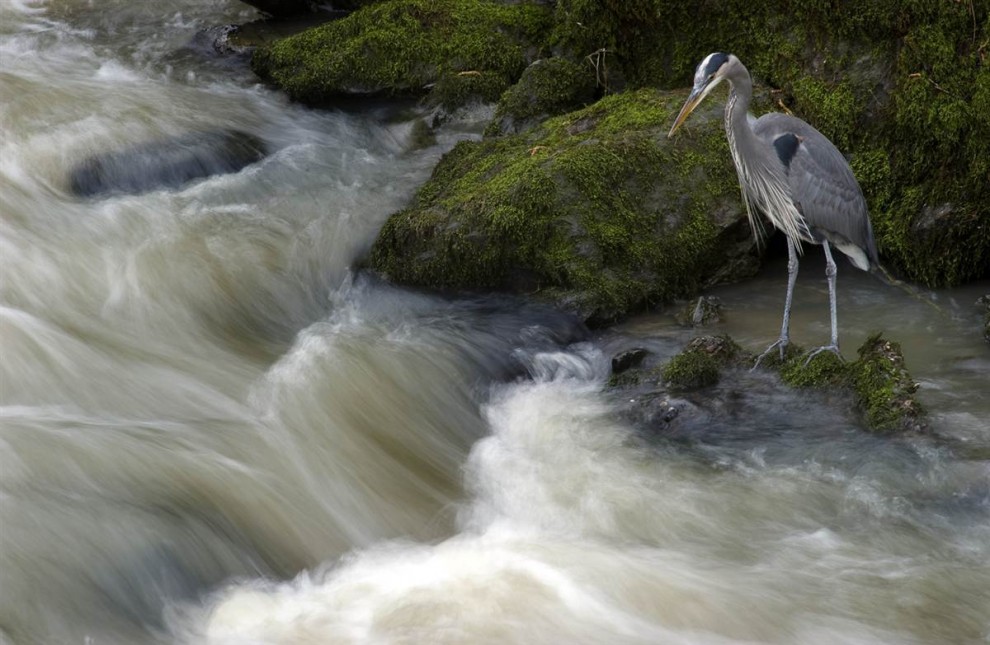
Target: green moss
x=885, y=388
x=402, y=46
x=573, y=211
x=691, y=370
x=547, y=87
x=701, y=361
x=832, y=108
x=455, y=90
x=823, y=370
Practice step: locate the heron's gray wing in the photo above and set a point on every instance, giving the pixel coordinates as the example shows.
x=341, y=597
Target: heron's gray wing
x=821, y=182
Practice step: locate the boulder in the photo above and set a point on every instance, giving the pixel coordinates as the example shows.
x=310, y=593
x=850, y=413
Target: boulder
x=595, y=211
x=169, y=163
x=547, y=88
x=404, y=47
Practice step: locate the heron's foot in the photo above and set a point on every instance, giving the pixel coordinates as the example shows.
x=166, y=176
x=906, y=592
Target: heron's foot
x=825, y=348
x=779, y=343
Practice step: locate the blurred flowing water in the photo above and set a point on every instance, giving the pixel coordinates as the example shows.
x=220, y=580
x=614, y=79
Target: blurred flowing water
x=213, y=430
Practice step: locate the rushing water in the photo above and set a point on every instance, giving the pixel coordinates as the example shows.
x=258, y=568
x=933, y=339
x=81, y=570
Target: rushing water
x=213, y=430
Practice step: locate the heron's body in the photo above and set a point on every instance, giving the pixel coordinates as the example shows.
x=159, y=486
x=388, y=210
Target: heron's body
x=793, y=174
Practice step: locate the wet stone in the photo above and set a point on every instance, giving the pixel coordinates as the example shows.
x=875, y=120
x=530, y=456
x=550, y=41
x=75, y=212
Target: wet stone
x=169, y=163
x=706, y=310
x=628, y=359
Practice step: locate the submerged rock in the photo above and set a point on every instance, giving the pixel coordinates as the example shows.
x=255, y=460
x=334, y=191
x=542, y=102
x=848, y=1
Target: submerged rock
x=170, y=163
x=628, y=359
x=877, y=387
x=703, y=311
x=595, y=211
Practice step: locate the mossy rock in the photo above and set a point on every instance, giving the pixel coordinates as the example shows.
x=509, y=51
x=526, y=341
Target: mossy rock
x=885, y=388
x=402, y=47
x=879, y=380
x=595, y=211
x=822, y=370
x=458, y=89
x=547, y=88
x=903, y=88
x=700, y=363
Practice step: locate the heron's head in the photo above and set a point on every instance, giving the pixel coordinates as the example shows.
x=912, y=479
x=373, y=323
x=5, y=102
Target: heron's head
x=712, y=71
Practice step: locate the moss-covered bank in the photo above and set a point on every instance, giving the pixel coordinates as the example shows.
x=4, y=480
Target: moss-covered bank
x=901, y=86
x=595, y=211
x=404, y=46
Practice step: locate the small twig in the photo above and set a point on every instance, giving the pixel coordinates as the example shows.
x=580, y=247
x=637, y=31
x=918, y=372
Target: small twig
x=933, y=83
x=597, y=60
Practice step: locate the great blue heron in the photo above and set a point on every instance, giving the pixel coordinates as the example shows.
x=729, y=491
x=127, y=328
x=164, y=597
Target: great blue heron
x=793, y=174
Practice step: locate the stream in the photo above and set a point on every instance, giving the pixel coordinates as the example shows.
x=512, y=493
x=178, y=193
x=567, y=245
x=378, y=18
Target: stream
x=215, y=429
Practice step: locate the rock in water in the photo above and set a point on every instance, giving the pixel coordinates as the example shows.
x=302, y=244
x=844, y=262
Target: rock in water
x=169, y=163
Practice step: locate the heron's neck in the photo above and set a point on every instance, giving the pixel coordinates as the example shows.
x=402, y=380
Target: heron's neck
x=736, y=109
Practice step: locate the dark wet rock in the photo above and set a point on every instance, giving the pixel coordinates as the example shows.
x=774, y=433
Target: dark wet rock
x=595, y=211
x=169, y=163
x=628, y=359
x=291, y=8
x=547, y=88
x=258, y=33
x=216, y=41
x=705, y=310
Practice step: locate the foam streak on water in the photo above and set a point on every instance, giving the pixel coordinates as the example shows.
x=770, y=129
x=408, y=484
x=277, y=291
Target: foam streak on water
x=214, y=429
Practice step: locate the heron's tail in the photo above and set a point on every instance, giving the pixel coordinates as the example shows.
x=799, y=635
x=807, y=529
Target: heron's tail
x=878, y=271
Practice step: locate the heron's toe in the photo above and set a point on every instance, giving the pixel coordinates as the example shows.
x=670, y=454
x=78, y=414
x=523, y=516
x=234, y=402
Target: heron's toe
x=780, y=343
x=824, y=348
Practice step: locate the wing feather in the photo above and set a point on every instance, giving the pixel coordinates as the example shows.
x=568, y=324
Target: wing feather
x=822, y=184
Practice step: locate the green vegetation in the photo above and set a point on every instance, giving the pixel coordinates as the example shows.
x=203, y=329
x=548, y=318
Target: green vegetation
x=879, y=381
x=403, y=46
x=822, y=370
x=885, y=388
x=690, y=370
x=700, y=363
x=901, y=87
x=594, y=210
x=547, y=88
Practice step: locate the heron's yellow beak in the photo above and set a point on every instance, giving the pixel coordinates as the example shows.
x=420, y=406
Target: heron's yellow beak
x=692, y=102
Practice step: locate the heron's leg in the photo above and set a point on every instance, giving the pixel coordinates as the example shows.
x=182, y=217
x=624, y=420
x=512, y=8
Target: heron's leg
x=830, y=272
x=792, y=271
